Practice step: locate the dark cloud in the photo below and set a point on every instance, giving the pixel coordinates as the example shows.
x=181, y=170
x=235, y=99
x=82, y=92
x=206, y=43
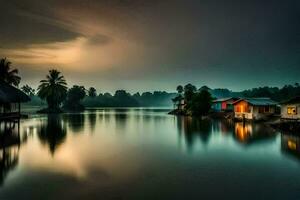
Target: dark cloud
x=201, y=41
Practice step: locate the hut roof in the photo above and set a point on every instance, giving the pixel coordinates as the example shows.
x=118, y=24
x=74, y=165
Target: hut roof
x=224, y=99
x=258, y=101
x=10, y=94
x=294, y=100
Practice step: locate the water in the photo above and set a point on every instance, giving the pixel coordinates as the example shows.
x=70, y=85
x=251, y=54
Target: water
x=146, y=154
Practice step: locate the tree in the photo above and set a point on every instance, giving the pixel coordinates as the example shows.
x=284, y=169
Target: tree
x=74, y=96
x=92, y=92
x=53, y=89
x=189, y=91
x=201, y=103
x=28, y=90
x=7, y=74
x=179, y=89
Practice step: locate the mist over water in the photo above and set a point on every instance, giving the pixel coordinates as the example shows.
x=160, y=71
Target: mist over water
x=143, y=153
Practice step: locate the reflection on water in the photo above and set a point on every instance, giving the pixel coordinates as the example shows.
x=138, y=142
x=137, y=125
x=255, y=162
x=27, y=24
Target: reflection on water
x=191, y=129
x=290, y=144
x=250, y=133
x=9, y=148
x=145, y=154
x=52, y=132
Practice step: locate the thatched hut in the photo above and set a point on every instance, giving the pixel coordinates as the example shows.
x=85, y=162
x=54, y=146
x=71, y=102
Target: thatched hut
x=10, y=101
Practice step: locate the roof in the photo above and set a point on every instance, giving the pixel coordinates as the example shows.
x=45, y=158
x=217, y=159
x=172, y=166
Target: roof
x=294, y=100
x=222, y=99
x=10, y=94
x=258, y=101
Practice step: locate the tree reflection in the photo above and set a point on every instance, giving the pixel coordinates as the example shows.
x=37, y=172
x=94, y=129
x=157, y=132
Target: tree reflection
x=9, y=149
x=75, y=121
x=193, y=128
x=52, y=132
x=251, y=133
x=92, y=117
x=290, y=145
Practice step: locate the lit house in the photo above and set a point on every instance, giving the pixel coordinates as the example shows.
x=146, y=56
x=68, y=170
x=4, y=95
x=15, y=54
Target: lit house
x=224, y=104
x=254, y=108
x=290, y=110
x=10, y=101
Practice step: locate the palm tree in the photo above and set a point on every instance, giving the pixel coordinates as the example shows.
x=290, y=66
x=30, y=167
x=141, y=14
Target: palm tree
x=53, y=89
x=7, y=74
x=28, y=90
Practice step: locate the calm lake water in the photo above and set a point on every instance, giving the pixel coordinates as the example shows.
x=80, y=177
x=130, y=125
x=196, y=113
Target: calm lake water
x=146, y=154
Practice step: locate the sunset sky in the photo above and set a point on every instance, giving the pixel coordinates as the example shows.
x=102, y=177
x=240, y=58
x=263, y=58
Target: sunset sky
x=154, y=45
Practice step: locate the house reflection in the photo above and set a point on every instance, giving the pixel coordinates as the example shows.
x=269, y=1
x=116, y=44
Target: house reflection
x=52, y=132
x=251, y=133
x=9, y=148
x=290, y=145
x=192, y=129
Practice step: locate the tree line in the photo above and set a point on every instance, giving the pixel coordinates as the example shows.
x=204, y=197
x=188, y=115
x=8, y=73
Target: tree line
x=54, y=92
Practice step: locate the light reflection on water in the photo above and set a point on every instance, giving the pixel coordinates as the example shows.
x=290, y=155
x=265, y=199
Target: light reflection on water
x=146, y=154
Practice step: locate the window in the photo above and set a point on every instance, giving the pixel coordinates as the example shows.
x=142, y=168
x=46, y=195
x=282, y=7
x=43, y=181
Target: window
x=261, y=109
x=292, y=110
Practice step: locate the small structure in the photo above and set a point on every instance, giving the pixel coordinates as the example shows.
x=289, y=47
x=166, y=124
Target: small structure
x=290, y=110
x=254, y=108
x=10, y=101
x=224, y=104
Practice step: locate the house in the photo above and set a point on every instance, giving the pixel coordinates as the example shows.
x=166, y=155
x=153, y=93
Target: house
x=10, y=101
x=224, y=104
x=290, y=110
x=254, y=108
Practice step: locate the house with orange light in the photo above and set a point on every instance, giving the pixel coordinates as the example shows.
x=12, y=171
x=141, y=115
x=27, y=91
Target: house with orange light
x=223, y=104
x=254, y=108
x=290, y=110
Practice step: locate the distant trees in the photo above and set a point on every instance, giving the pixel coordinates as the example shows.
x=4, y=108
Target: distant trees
x=74, y=97
x=28, y=90
x=7, y=74
x=92, y=92
x=275, y=93
x=54, y=90
x=122, y=98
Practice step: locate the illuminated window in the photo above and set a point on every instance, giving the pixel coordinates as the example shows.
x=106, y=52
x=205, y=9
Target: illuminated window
x=292, y=110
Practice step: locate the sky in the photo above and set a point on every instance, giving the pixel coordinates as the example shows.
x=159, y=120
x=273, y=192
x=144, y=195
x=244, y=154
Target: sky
x=154, y=45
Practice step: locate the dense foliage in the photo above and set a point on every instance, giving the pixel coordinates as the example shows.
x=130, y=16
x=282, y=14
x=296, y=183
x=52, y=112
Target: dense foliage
x=74, y=97
x=7, y=74
x=275, y=93
x=28, y=90
x=197, y=102
x=121, y=98
x=92, y=92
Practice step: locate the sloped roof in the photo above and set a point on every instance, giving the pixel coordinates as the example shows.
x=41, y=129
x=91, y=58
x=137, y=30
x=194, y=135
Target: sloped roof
x=258, y=101
x=292, y=100
x=10, y=94
x=223, y=99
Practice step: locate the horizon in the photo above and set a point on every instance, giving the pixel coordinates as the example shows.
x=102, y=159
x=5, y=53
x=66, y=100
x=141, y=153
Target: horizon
x=148, y=46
